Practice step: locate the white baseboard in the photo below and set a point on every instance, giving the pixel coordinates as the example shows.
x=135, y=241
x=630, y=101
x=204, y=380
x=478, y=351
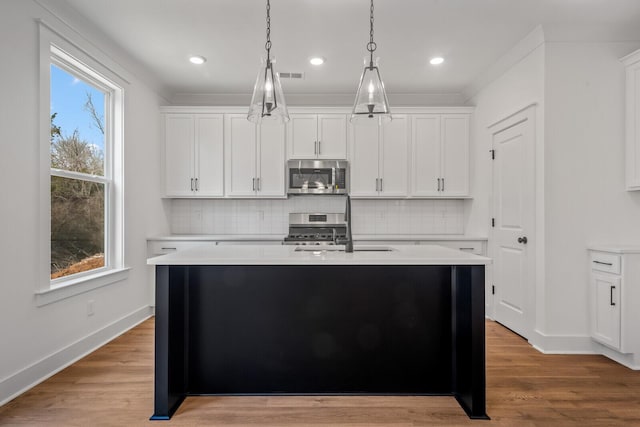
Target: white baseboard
x=562, y=344
x=18, y=383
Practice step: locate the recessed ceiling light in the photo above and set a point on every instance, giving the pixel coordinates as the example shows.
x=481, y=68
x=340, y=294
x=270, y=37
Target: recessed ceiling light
x=198, y=60
x=436, y=61
x=317, y=60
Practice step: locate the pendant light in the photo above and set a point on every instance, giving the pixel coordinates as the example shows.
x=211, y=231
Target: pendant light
x=267, y=101
x=371, y=99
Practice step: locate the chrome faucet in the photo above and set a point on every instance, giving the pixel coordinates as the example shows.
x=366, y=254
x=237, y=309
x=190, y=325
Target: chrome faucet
x=348, y=240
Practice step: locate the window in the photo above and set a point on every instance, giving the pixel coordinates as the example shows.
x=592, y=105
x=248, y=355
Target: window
x=82, y=218
x=80, y=182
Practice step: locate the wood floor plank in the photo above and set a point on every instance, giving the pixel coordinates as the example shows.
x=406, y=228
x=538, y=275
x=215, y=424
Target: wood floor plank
x=114, y=387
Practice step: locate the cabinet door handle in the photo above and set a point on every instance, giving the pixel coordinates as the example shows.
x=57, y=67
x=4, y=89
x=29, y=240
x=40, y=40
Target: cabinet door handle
x=197, y=185
x=253, y=180
x=169, y=249
x=315, y=148
x=603, y=263
x=258, y=181
x=191, y=184
x=438, y=184
x=319, y=148
x=381, y=186
x=377, y=184
x=442, y=184
x=611, y=295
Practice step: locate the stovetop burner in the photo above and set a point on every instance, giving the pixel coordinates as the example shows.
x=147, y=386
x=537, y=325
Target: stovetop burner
x=315, y=228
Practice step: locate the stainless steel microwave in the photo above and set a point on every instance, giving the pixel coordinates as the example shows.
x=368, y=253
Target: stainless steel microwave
x=317, y=177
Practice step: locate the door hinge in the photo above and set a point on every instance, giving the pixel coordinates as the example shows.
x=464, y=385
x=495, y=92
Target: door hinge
x=493, y=289
x=493, y=154
x=493, y=222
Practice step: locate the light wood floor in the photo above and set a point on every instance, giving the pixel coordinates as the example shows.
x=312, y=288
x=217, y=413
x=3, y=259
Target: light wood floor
x=114, y=387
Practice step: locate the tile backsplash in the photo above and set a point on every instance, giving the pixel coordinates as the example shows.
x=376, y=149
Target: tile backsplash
x=262, y=216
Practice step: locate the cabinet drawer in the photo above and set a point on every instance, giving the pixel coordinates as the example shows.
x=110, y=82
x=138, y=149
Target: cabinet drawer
x=160, y=247
x=602, y=261
x=474, y=247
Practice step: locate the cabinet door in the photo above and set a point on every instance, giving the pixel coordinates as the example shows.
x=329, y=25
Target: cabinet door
x=364, y=159
x=271, y=164
x=332, y=136
x=605, y=308
x=209, y=155
x=425, y=155
x=240, y=156
x=302, y=134
x=455, y=155
x=393, y=157
x=178, y=154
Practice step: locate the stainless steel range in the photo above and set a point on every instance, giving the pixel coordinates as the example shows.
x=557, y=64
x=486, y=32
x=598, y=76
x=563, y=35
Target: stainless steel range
x=316, y=228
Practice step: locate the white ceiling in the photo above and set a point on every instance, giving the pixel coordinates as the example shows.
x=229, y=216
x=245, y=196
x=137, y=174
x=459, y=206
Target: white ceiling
x=470, y=34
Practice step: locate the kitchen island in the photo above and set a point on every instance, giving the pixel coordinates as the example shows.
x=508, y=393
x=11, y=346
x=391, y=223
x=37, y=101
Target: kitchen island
x=403, y=320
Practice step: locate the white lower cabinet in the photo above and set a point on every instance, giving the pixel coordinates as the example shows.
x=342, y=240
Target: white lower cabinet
x=254, y=158
x=614, y=293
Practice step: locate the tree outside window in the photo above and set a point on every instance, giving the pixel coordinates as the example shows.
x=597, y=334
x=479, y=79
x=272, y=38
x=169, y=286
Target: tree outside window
x=79, y=179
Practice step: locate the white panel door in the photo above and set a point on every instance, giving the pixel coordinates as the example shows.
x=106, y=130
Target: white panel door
x=513, y=210
x=178, y=154
x=425, y=156
x=302, y=135
x=240, y=156
x=364, y=159
x=394, y=146
x=455, y=155
x=271, y=164
x=332, y=136
x=605, y=311
x=209, y=146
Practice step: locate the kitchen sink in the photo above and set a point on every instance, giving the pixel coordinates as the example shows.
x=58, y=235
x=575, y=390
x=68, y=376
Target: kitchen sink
x=341, y=249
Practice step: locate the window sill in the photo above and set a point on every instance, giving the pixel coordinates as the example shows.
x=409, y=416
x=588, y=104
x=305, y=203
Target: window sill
x=81, y=285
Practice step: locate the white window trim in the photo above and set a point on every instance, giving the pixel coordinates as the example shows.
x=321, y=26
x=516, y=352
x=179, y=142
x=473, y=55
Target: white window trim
x=54, y=43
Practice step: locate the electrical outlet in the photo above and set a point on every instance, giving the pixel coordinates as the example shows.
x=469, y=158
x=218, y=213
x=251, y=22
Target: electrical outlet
x=90, y=308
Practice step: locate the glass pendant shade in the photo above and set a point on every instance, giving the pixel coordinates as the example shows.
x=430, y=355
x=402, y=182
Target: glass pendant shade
x=267, y=102
x=371, y=98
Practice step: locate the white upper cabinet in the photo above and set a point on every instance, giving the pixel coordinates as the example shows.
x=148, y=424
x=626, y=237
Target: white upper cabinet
x=254, y=158
x=632, y=63
x=440, y=155
x=193, y=155
x=317, y=136
x=379, y=163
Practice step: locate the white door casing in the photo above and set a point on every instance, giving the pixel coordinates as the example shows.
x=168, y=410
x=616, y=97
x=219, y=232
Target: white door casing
x=512, y=245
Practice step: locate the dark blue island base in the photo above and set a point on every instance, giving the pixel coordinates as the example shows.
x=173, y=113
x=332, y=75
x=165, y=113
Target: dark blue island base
x=319, y=330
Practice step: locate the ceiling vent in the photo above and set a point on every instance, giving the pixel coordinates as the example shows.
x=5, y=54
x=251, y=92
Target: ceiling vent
x=292, y=76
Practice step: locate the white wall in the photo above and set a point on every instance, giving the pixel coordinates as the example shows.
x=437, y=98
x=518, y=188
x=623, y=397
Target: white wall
x=584, y=162
x=35, y=341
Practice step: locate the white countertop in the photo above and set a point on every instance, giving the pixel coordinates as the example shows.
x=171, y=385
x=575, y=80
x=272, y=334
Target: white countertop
x=617, y=249
x=363, y=237
x=320, y=255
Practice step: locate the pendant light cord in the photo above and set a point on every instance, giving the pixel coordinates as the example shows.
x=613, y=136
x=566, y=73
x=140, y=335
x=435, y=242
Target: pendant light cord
x=267, y=45
x=371, y=46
